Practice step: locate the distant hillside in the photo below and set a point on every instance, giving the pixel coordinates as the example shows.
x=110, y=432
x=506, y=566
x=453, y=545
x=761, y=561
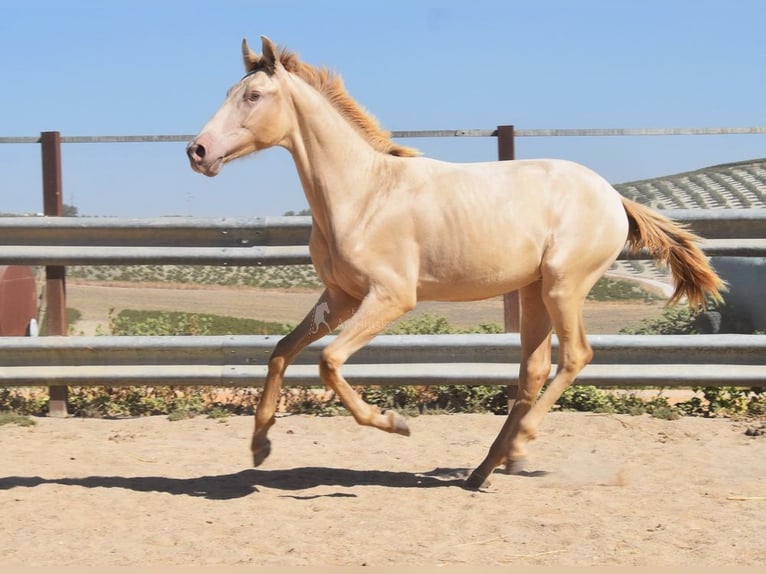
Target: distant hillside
x=740, y=185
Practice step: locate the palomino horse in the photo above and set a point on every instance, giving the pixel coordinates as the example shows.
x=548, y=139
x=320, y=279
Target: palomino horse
x=390, y=229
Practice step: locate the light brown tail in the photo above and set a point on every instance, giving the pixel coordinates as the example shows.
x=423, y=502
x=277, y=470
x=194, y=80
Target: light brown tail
x=673, y=244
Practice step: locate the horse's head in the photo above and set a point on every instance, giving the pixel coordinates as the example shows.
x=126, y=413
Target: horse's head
x=253, y=116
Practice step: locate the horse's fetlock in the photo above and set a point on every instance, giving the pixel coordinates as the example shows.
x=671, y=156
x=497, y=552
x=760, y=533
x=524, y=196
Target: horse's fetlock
x=527, y=431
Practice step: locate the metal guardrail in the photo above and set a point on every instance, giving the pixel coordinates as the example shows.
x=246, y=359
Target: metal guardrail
x=165, y=241
x=625, y=360
x=159, y=231
x=267, y=240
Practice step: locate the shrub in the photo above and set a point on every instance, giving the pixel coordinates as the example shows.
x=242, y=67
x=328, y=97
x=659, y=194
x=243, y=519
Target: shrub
x=132, y=322
x=592, y=399
x=677, y=320
x=138, y=323
x=24, y=401
x=438, y=398
x=265, y=277
x=607, y=289
x=16, y=419
x=757, y=405
x=428, y=324
x=727, y=402
x=585, y=398
x=116, y=402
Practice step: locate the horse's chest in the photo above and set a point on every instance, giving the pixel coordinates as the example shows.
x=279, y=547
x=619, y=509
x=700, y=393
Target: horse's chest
x=338, y=269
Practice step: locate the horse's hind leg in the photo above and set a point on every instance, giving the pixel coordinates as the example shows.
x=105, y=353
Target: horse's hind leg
x=339, y=308
x=534, y=369
x=574, y=353
x=565, y=309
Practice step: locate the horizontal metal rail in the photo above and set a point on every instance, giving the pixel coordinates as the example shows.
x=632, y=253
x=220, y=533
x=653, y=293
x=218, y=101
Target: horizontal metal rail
x=158, y=231
x=287, y=255
x=290, y=230
x=519, y=132
x=267, y=240
x=620, y=360
x=80, y=255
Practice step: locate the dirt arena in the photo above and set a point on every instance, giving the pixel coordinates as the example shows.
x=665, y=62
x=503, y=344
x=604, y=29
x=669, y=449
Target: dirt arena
x=601, y=490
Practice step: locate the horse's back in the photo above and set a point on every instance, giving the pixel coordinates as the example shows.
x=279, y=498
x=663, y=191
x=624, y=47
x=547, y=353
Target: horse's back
x=526, y=196
x=495, y=224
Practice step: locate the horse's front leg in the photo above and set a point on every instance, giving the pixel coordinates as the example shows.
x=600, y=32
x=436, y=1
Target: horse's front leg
x=376, y=312
x=332, y=308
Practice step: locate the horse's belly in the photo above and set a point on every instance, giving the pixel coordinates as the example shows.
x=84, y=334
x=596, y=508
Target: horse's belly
x=473, y=282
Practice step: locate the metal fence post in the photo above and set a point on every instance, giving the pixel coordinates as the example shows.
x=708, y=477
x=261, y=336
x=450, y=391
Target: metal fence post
x=511, y=304
x=55, y=276
x=511, y=308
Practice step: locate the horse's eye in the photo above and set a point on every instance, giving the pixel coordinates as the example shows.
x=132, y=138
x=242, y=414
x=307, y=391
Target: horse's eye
x=253, y=96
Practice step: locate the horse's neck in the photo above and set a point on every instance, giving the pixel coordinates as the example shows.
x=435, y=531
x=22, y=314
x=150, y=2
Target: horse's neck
x=333, y=160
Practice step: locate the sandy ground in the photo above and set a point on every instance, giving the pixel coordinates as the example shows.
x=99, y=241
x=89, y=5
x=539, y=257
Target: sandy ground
x=94, y=301
x=601, y=490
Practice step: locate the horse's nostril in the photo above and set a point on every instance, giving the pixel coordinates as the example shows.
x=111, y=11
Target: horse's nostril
x=199, y=151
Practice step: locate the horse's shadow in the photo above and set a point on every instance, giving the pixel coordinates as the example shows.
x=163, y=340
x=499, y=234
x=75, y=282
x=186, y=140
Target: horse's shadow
x=246, y=482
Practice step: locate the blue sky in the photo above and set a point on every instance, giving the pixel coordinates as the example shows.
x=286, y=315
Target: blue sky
x=163, y=67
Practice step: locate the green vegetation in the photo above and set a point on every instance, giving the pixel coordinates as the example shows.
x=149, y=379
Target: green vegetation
x=427, y=324
x=677, y=320
x=72, y=316
x=23, y=402
x=270, y=277
x=16, y=419
x=607, y=289
x=132, y=322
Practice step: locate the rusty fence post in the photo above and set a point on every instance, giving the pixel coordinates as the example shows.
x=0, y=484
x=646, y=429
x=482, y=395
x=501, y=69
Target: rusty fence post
x=55, y=276
x=511, y=305
x=511, y=308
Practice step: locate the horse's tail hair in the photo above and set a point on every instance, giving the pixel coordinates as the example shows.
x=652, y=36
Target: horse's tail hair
x=673, y=244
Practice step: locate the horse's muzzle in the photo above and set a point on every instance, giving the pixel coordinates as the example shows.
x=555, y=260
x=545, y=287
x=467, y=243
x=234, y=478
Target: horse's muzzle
x=200, y=159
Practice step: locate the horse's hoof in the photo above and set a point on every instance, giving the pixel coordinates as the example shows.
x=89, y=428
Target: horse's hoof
x=476, y=481
x=261, y=451
x=515, y=466
x=398, y=423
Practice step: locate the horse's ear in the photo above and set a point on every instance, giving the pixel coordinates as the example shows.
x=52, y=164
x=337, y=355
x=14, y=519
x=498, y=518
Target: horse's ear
x=249, y=57
x=270, y=53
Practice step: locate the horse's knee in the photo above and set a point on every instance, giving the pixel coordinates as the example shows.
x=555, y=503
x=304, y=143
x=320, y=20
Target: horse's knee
x=532, y=378
x=329, y=365
x=535, y=376
x=282, y=347
x=277, y=364
x=278, y=359
x=577, y=358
